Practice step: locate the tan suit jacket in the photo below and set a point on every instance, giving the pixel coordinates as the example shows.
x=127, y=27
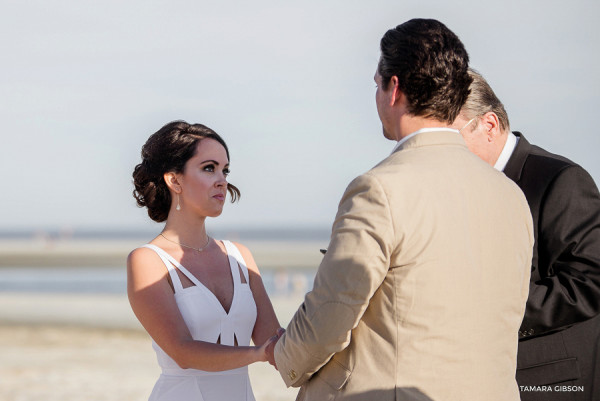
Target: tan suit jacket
x=423, y=288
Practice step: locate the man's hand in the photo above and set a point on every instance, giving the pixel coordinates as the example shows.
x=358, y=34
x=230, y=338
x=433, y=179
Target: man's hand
x=270, y=348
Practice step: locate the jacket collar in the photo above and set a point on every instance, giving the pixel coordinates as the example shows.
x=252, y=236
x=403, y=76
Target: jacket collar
x=515, y=164
x=432, y=138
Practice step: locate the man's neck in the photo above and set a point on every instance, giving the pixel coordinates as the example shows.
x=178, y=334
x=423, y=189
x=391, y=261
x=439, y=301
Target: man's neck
x=505, y=149
x=498, y=144
x=411, y=124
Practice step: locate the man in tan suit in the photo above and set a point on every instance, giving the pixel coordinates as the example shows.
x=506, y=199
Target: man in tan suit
x=423, y=287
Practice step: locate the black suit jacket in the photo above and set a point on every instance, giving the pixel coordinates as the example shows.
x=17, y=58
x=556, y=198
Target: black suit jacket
x=559, y=337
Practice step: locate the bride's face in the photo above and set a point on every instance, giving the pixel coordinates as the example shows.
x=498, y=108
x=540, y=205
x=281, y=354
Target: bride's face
x=204, y=180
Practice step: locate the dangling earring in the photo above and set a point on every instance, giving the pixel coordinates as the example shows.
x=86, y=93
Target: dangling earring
x=178, y=207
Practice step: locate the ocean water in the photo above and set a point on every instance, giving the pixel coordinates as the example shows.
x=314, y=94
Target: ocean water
x=287, y=258
x=113, y=280
x=101, y=280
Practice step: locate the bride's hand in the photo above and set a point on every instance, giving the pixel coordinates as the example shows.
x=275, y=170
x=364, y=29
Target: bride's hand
x=267, y=350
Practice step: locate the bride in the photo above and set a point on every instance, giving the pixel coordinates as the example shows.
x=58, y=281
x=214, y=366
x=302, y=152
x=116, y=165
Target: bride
x=201, y=300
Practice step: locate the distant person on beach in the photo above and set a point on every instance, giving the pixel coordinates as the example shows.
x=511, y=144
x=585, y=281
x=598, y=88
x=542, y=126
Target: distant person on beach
x=423, y=287
x=201, y=317
x=559, y=339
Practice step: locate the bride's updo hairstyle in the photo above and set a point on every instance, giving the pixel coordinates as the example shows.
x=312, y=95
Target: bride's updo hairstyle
x=168, y=150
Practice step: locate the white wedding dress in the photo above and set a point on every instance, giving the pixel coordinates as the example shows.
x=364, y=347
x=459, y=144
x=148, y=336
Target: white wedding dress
x=207, y=321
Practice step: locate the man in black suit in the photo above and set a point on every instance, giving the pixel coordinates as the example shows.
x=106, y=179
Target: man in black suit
x=559, y=339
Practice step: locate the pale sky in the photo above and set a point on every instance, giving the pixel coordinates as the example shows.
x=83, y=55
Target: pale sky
x=289, y=85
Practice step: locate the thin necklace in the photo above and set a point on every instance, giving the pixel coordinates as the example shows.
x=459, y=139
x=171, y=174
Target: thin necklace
x=187, y=246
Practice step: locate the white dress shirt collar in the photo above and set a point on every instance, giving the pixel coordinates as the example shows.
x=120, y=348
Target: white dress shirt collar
x=406, y=138
x=507, y=151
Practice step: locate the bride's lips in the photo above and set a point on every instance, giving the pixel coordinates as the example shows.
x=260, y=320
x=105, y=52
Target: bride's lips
x=220, y=197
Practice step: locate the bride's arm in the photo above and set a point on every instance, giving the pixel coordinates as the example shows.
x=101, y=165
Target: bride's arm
x=266, y=321
x=151, y=298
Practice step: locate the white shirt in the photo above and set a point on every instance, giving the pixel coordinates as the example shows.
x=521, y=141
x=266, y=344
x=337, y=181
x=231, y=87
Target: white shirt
x=406, y=138
x=507, y=151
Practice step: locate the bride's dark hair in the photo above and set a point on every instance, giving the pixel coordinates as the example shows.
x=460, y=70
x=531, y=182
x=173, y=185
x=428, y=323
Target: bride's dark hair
x=168, y=150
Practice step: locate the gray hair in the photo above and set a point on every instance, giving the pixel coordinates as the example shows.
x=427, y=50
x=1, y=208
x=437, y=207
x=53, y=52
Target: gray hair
x=482, y=99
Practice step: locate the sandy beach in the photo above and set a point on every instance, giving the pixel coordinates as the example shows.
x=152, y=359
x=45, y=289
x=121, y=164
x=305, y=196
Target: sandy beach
x=82, y=347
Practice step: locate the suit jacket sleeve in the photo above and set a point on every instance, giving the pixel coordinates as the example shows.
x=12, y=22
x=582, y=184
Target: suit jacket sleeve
x=355, y=265
x=565, y=288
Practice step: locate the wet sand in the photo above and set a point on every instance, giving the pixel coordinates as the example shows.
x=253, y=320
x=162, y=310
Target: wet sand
x=113, y=253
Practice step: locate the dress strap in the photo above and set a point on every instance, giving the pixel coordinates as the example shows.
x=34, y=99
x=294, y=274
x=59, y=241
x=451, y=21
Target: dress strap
x=235, y=259
x=165, y=258
x=179, y=266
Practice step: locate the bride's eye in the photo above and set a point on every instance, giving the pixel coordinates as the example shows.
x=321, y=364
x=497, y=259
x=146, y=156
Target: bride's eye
x=226, y=171
x=209, y=168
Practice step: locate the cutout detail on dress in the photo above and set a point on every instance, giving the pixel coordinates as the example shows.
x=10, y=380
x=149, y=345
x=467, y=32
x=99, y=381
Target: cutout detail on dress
x=242, y=277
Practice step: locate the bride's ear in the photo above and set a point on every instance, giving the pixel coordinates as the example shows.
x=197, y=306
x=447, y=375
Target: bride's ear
x=172, y=180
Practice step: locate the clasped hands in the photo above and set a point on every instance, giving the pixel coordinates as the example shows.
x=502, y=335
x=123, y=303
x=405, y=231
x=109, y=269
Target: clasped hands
x=268, y=348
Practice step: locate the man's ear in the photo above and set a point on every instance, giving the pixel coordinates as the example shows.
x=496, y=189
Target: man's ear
x=491, y=124
x=172, y=180
x=396, y=94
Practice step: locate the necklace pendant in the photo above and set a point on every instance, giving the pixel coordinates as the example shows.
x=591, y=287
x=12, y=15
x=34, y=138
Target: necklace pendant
x=199, y=250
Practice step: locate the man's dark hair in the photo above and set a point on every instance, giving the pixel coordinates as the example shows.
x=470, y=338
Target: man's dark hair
x=431, y=65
